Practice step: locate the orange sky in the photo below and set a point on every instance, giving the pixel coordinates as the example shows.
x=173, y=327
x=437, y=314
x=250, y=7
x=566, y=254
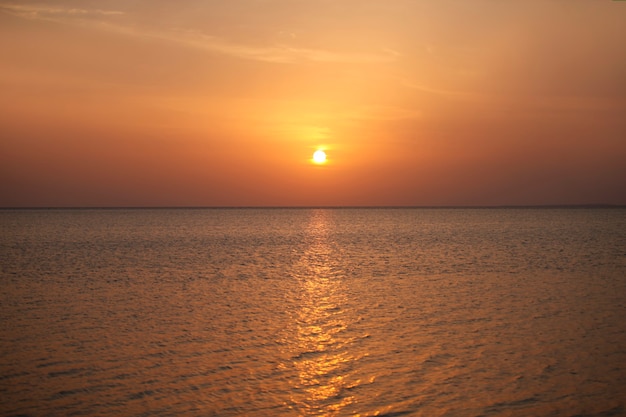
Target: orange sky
x=222, y=103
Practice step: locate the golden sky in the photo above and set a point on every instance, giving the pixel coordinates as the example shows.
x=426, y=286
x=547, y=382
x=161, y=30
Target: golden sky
x=222, y=103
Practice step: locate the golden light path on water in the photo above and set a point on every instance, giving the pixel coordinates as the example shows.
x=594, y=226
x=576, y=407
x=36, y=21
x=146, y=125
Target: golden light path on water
x=320, y=349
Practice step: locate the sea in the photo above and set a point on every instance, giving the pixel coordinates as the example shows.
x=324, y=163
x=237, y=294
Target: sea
x=313, y=312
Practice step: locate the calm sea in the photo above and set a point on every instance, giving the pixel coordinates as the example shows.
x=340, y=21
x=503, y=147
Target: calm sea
x=306, y=312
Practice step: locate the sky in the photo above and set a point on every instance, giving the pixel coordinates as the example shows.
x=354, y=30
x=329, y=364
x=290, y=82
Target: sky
x=223, y=103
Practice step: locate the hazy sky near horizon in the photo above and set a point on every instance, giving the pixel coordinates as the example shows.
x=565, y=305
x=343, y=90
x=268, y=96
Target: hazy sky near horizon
x=222, y=103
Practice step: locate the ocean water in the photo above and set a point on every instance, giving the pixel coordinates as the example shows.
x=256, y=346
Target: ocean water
x=313, y=312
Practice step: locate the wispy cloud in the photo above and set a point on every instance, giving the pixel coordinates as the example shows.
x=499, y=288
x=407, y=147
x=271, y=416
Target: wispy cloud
x=437, y=91
x=280, y=53
x=276, y=53
x=53, y=13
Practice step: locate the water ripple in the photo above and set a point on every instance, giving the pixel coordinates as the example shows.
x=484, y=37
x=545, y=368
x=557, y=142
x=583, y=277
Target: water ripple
x=313, y=312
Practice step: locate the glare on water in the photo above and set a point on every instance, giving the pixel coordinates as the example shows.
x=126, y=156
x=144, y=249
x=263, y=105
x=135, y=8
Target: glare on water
x=320, y=353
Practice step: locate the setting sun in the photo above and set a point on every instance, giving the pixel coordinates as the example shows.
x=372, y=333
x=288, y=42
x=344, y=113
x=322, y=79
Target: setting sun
x=319, y=157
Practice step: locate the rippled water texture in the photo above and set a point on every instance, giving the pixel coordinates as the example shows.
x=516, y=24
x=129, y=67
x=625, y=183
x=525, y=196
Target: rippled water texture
x=483, y=312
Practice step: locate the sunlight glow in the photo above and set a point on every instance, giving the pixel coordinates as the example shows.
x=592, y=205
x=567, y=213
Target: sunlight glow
x=319, y=157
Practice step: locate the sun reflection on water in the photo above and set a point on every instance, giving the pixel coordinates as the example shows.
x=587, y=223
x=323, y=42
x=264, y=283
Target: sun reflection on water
x=320, y=348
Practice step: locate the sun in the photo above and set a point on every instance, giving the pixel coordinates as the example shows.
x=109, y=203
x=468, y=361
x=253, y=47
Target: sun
x=319, y=157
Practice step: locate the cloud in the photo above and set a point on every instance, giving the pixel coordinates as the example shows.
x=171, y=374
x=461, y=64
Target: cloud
x=54, y=13
x=275, y=53
x=271, y=53
x=432, y=90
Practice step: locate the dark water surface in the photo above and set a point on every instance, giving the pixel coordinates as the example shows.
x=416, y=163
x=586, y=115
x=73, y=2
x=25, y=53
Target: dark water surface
x=271, y=312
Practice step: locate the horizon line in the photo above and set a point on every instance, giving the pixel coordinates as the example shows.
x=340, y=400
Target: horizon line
x=482, y=206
